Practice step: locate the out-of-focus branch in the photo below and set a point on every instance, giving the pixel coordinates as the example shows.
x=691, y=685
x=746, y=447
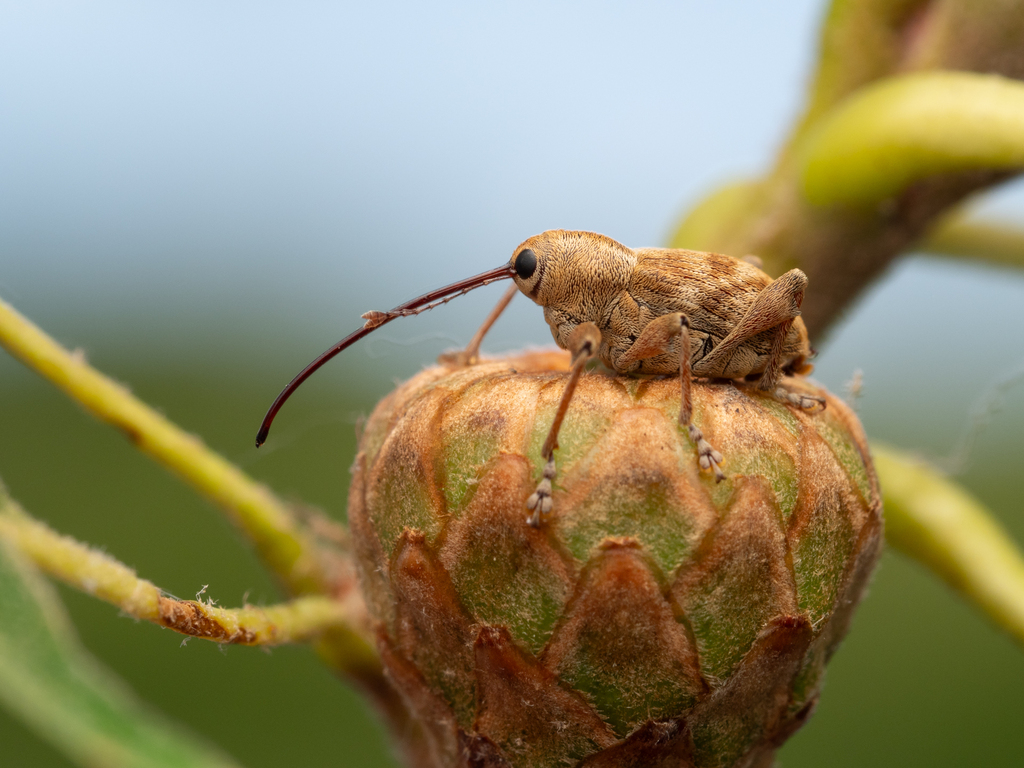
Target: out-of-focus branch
x=291, y=550
x=287, y=549
x=898, y=131
x=964, y=238
x=867, y=182
x=889, y=166
x=863, y=41
x=101, y=575
x=939, y=524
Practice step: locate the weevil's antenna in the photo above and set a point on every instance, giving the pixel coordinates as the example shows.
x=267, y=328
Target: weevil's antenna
x=375, y=320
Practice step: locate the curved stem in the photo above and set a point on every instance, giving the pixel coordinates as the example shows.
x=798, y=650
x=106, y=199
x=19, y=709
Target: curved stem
x=103, y=576
x=903, y=129
x=961, y=237
x=285, y=547
x=934, y=521
x=48, y=680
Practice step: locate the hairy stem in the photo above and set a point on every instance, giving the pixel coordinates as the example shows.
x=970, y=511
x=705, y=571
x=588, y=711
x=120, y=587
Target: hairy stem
x=102, y=576
x=287, y=549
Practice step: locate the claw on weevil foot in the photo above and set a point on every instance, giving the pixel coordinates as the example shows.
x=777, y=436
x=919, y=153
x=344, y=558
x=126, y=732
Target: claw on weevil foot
x=707, y=457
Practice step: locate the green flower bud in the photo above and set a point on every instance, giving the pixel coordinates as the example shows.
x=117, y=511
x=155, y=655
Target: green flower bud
x=656, y=617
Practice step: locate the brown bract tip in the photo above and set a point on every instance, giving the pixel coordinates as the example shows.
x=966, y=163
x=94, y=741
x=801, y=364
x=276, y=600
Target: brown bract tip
x=190, y=619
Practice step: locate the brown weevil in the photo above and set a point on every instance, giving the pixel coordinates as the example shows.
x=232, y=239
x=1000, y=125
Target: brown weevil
x=635, y=310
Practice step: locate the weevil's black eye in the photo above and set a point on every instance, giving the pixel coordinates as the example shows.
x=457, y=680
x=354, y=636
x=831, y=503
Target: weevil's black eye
x=526, y=263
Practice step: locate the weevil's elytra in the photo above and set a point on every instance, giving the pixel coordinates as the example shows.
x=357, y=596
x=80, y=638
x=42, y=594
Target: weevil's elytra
x=636, y=310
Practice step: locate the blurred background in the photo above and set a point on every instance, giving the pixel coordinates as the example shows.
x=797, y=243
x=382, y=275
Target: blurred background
x=202, y=197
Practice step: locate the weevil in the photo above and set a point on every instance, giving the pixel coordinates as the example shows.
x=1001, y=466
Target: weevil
x=635, y=310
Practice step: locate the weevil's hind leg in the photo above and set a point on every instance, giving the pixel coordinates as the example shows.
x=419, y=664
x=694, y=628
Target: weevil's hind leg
x=773, y=372
x=769, y=381
x=776, y=307
x=583, y=344
x=778, y=303
x=800, y=400
x=471, y=354
x=655, y=340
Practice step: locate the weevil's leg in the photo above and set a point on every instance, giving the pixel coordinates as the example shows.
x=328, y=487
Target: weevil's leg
x=655, y=340
x=471, y=354
x=707, y=456
x=769, y=381
x=776, y=304
x=802, y=401
x=583, y=344
x=472, y=350
x=770, y=378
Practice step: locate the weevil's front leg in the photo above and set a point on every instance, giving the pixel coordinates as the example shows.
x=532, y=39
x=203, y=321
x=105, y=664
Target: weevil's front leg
x=655, y=340
x=471, y=354
x=583, y=344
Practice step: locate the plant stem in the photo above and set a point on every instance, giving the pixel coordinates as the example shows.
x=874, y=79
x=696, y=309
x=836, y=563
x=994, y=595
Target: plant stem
x=960, y=237
x=287, y=549
x=901, y=130
x=104, y=577
x=941, y=525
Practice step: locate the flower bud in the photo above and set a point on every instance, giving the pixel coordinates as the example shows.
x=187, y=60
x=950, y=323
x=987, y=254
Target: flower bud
x=656, y=617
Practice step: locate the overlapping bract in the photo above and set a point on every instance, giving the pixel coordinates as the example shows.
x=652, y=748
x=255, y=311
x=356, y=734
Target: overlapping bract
x=657, y=618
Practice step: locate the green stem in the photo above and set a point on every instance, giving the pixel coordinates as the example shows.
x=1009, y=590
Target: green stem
x=891, y=134
x=285, y=547
x=960, y=237
x=103, y=576
x=936, y=522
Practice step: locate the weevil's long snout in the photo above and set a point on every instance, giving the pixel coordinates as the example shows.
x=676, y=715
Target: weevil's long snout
x=375, y=320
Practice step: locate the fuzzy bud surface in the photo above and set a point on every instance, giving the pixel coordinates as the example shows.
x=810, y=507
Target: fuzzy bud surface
x=656, y=618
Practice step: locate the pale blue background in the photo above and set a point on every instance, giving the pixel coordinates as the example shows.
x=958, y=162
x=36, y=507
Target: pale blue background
x=277, y=170
x=226, y=187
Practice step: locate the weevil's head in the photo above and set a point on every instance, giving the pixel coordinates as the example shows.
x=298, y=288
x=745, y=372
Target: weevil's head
x=561, y=266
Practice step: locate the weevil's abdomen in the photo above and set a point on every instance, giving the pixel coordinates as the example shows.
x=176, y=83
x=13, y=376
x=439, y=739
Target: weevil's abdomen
x=749, y=359
x=714, y=291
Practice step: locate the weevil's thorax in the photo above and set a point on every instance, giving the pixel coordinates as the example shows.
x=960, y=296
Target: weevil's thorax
x=577, y=276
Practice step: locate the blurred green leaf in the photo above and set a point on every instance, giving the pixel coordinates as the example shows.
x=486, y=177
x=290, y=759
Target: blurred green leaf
x=50, y=682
